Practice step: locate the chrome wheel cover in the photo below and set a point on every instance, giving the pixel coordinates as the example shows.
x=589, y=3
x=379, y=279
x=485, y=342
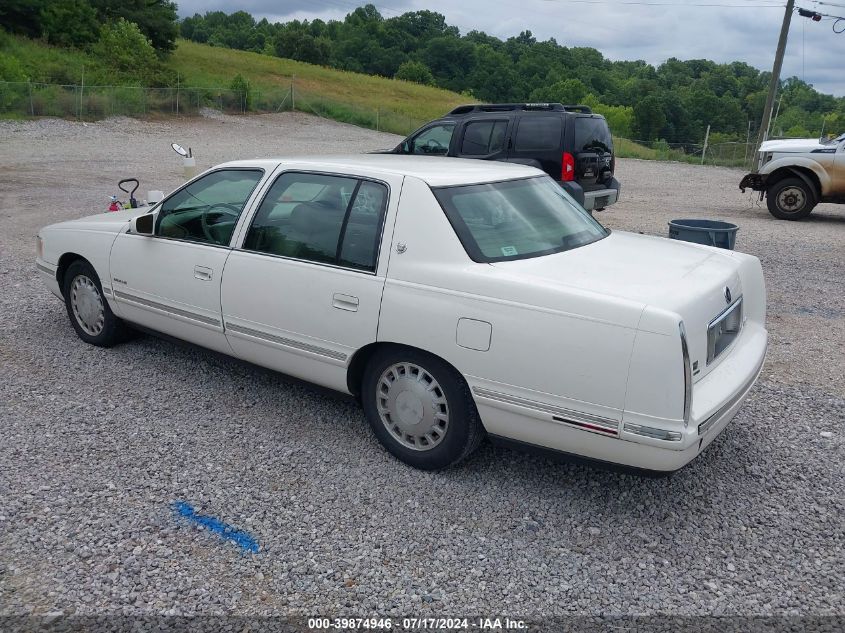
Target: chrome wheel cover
x=791, y=199
x=87, y=305
x=412, y=406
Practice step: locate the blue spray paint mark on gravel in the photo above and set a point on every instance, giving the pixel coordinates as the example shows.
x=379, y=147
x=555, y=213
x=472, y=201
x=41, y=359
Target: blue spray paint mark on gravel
x=223, y=530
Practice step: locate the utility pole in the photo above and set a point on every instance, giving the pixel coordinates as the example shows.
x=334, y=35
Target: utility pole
x=773, y=86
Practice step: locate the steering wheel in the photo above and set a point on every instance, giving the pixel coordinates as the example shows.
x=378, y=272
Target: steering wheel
x=222, y=208
x=433, y=144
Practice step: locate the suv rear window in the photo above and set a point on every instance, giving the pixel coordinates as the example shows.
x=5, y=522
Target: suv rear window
x=515, y=219
x=592, y=135
x=542, y=132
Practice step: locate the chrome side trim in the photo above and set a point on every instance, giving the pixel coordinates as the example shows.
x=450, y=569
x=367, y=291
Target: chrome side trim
x=687, y=374
x=578, y=419
x=280, y=340
x=44, y=269
x=124, y=296
x=596, y=427
x=705, y=426
x=652, y=432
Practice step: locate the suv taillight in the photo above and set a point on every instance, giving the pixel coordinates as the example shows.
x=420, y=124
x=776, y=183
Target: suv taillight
x=567, y=168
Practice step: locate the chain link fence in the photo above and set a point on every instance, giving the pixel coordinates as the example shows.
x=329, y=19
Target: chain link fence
x=27, y=99
x=726, y=154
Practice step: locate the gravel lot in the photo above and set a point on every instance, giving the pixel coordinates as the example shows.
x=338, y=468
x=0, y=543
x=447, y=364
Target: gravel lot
x=97, y=444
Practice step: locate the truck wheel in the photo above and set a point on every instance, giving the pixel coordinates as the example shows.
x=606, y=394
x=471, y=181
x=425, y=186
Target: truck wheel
x=790, y=199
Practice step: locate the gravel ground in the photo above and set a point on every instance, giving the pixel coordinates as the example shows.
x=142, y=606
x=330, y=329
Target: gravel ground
x=97, y=444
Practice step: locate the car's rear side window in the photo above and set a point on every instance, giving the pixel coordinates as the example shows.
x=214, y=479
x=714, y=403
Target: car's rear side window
x=538, y=133
x=320, y=218
x=482, y=138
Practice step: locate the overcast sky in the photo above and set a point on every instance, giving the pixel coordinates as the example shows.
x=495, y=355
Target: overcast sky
x=653, y=30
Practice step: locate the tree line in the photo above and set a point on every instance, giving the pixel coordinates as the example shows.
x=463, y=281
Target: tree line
x=128, y=38
x=674, y=101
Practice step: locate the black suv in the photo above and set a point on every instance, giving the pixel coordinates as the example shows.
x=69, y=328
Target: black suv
x=568, y=142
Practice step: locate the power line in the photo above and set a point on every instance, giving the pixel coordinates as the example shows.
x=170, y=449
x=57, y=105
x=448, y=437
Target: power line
x=816, y=16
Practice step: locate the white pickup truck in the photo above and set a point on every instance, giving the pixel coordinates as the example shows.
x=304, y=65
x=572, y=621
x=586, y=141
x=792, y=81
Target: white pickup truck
x=797, y=174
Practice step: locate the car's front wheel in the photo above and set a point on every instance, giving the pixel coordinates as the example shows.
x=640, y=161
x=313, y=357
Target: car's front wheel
x=89, y=312
x=790, y=199
x=420, y=408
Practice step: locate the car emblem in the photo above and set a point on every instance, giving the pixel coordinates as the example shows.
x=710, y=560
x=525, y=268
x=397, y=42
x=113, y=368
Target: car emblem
x=401, y=247
x=727, y=294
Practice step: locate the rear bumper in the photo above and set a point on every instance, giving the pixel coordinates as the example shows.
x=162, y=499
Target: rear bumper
x=600, y=198
x=716, y=399
x=596, y=198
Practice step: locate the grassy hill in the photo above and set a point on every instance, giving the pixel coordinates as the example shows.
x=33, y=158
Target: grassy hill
x=208, y=66
x=205, y=74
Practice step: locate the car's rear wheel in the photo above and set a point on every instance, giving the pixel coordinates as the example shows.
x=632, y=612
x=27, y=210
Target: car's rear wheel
x=420, y=408
x=89, y=312
x=790, y=199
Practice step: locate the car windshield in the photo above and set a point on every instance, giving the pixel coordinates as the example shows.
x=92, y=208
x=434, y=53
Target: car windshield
x=832, y=141
x=516, y=219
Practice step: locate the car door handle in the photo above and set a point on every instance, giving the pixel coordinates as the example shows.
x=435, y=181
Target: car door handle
x=345, y=302
x=202, y=272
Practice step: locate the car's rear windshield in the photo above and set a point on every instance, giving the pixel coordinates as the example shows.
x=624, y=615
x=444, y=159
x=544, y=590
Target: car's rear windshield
x=516, y=219
x=592, y=135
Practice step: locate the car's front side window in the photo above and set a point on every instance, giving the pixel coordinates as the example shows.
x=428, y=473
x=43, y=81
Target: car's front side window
x=207, y=209
x=321, y=218
x=432, y=141
x=515, y=219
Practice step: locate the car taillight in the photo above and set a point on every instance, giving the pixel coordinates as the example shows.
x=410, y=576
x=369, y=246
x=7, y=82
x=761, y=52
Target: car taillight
x=567, y=169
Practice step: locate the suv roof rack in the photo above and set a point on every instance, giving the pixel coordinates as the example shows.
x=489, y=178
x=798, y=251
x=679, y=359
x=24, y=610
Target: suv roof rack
x=583, y=109
x=507, y=107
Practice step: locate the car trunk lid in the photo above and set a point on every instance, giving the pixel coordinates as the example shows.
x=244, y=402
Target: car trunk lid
x=683, y=278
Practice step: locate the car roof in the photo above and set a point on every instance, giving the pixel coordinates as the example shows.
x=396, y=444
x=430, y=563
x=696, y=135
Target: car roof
x=437, y=171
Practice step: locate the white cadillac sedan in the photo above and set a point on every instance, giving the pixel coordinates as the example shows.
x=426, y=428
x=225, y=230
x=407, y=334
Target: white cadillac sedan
x=454, y=298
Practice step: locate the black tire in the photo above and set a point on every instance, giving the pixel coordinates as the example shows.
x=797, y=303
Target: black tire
x=113, y=330
x=790, y=199
x=464, y=431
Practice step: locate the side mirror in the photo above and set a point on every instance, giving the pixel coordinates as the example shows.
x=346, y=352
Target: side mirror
x=180, y=150
x=143, y=224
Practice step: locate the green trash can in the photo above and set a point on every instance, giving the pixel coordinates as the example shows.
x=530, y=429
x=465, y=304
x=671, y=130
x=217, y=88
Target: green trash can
x=707, y=232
